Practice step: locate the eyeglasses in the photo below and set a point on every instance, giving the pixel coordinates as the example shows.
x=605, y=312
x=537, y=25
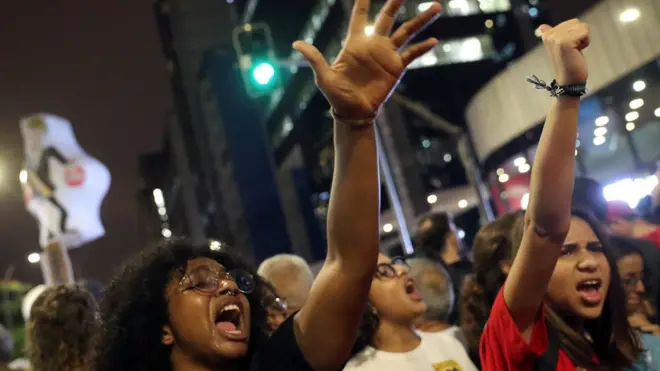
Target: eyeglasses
x=208, y=282
x=390, y=271
x=631, y=282
x=275, y=303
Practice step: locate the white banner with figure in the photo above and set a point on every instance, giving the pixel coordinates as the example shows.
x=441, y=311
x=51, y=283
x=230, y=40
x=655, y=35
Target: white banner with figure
x=63, y=185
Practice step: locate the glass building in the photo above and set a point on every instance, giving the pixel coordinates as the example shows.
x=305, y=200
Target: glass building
x=478, y=38
x=619, y=124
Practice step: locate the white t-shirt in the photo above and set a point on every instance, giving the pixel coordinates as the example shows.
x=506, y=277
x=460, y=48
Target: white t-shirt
x=438, y=351
x=456, y=333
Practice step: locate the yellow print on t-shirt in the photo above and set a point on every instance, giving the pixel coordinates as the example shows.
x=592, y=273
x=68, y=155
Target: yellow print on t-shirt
x=447, y=366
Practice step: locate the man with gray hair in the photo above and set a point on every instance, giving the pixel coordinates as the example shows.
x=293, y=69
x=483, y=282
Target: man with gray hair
x=434, y=283
x=291, y=277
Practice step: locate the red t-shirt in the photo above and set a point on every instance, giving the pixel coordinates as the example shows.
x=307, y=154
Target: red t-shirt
x=654, y=237
x=503, y=348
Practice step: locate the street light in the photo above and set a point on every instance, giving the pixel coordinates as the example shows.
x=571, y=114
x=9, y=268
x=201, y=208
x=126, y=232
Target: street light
x=629, y=15
x=23, y=176
x=639, y=85
x=215, y=245
x=263, y=73
x=34, y=258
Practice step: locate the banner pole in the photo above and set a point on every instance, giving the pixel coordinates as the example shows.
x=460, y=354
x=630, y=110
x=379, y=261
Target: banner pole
x=56, y=265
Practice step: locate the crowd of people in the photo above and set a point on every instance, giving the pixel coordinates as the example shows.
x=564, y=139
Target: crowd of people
x=569, y=284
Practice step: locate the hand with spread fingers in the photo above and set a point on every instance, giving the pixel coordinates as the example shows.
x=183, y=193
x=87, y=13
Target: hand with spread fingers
x=368, y=67
x=564, y=44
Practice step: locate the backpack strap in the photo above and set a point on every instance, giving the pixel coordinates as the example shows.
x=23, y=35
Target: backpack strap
x=548, y=360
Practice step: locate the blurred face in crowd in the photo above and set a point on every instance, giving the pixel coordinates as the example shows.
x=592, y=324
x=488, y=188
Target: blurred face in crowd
x=436, y=234
x=277, y=310
x=631, y=270
x=435, y=289
x=209, y=318
x=394, y=294
x=581, y=278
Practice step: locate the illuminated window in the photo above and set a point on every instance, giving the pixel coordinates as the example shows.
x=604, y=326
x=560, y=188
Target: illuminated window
x=458, y=8
x=463, y=50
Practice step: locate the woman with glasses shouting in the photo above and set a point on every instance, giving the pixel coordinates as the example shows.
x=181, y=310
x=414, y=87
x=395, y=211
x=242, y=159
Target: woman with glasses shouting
x=183, y=307
x=631, y=267
x=387, y=339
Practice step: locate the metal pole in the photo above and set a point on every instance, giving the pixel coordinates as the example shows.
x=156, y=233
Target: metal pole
x=190, y=201
x=395, y=202
x=467, y=155
x=426, y=114
x=473, y=173
x=56, y=265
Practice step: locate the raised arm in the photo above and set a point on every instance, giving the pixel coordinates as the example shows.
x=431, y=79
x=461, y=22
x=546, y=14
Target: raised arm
x=356, y=85
x=549, y=214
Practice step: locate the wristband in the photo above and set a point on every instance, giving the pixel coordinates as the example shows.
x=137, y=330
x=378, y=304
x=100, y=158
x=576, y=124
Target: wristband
x=359, y=123
x=573, y=90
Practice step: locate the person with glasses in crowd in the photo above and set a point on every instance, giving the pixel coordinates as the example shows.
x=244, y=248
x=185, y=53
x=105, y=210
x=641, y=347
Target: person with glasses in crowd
x=387, y=339
x=631, y=269
x=183, y=306
x=277, y=310
x=291, y=277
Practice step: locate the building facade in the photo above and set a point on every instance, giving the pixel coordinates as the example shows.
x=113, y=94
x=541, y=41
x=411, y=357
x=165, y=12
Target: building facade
x=217, y=144
x=619, y=123
x=478, y=39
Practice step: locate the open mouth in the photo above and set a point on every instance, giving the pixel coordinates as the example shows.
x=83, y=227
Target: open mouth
x=410, y=286
x=634, y=299
x=229, y=319
x=590, y=290
x=411, y=290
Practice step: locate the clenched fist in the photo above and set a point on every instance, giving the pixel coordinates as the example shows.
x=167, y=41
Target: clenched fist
x=564, y=44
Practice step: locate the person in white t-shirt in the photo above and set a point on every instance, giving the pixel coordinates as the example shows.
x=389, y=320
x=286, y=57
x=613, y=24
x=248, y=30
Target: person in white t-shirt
x=387, y=339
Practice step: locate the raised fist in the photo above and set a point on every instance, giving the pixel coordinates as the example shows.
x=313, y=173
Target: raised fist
x=564, y=44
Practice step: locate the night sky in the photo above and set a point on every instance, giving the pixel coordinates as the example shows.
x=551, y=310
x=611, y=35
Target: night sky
x=99, y=65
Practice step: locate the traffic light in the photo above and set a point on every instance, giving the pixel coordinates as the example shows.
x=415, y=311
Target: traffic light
x=256, y=57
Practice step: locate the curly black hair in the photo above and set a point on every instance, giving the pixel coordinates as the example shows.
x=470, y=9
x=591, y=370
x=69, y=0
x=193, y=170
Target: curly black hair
x=134, y=308
x=61, y=328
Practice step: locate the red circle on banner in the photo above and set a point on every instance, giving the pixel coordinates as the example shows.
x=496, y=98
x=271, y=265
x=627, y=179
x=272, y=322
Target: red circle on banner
x=74, y=175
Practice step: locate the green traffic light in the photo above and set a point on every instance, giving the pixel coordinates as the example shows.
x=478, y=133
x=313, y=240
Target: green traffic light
x=263, y=73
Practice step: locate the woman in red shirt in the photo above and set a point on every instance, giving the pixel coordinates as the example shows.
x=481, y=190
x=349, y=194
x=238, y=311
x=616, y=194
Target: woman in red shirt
x=563, y=283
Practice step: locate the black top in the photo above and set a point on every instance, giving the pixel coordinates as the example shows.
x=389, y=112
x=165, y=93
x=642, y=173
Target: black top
x=458, y=271
x=281, y=352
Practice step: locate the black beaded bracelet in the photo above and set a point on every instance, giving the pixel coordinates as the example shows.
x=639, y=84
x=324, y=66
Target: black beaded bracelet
x=573, y=90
